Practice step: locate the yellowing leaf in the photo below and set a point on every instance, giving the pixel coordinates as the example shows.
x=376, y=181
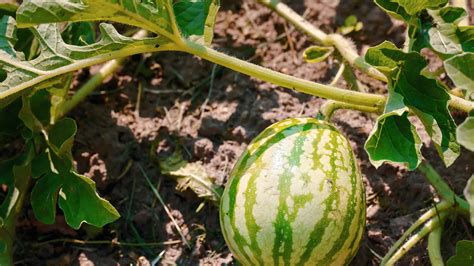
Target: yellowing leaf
x=190, y=176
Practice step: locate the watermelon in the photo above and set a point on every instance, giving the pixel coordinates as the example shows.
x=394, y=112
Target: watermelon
x=295, y=197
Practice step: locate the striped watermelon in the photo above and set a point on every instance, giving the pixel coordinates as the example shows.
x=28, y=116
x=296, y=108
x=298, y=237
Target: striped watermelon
x=295, y=197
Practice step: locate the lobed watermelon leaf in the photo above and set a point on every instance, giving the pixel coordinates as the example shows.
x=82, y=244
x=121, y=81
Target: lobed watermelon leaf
x=316, y=54
x=464, y=254
x=171, y=21
x=394, y=139
x=59, y=183
x=79, y=33
x=465, y=133
x=56, y=57
x=461, y=70
x=77, y=198
x=408, y=10
x=407, y=90
x=196, y=19
x=469, y=194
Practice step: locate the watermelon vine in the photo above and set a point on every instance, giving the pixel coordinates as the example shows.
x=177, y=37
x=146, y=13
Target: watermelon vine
x=296, y=195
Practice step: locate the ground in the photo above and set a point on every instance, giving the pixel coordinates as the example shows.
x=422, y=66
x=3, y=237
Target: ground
x=212, y=113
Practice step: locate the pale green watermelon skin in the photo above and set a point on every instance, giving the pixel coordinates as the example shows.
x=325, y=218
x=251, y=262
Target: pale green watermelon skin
x=295, y=197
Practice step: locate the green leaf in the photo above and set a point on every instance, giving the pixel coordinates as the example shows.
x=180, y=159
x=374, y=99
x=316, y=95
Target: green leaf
x=35, y=111
x=448, y=14
x=9, y=121
x=14, y=173
x=77, y=195
x=431, y=24
x=465, y=133
x=44, y=197
x=469, y=194
x=394, y=139
x=80, y=33
x=150, y=15
x=59, y=95
x=81, y=204
x=7, y=178
x=8, y=37
x=444, y=39
x=424, y=96
x=439, y=31
x=41, y=165
x=351, y=24
x=466, y=36
x=461, y=70
x=8, y=7
x=464, y=254
x=61, y=137
x=316, y=54
x=407, y=10
x=57, y=58
x=197, y=18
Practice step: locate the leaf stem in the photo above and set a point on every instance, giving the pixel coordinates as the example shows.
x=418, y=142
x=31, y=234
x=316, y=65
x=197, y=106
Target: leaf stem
x=461, y=104
x=283, y=80
x=46, y=75
x=343, y=45
x=7, y=229
x=338, y=75
x=440, y=207
x=446, y=193
x=430, y=226
x=330, y=106
x=434, y=246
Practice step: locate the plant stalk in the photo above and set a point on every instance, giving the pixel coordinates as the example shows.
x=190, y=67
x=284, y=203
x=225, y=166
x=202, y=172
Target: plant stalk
x=443, y=189
x=461, y=104
x=434, y=246
x=343, y=45
x=330, y=106
x=283, y=80
x=7, y=230
x=430, y=226
x=440, y=207
x=337, y=77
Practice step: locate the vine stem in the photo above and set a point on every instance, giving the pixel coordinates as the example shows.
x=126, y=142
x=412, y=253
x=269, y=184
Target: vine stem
x=301, y=85
x=337, y=77
x=330, y=106
x=283, y=80
x=446, y=193
x=430, y=226
x=440, y=207
x=7, y=230
x=461, y=104
x=343, y=45
x=434, y=246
